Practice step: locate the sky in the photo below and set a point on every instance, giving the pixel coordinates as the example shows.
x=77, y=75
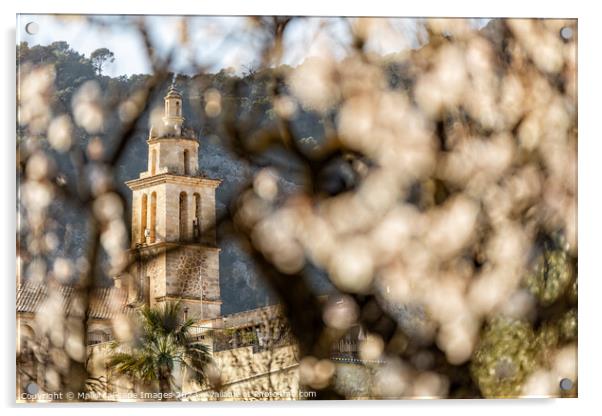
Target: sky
x=215, y=41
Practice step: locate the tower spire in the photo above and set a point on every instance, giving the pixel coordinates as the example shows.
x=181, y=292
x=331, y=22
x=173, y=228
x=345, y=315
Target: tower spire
x=173, y=118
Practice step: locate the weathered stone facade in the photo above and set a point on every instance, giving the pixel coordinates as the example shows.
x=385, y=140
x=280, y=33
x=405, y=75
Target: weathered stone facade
x=193, y=270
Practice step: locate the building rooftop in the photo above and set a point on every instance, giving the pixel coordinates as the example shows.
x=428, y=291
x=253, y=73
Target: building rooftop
x=246, y=318
x=105, y=303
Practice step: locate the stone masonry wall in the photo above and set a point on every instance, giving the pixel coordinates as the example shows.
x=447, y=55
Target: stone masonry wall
x=208, y=233
x=155, y=270
x=193, y=271
x=170, y=156
x=267, y=375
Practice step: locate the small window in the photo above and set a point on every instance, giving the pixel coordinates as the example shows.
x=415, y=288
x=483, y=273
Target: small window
x=186, y=162
x=197, y=217
x=183, y=216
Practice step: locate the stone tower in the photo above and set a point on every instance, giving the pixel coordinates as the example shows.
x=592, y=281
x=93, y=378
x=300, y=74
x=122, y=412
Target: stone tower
x=173, y=215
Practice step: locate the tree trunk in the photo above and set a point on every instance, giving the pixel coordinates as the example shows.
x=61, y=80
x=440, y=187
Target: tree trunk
x=164, y=383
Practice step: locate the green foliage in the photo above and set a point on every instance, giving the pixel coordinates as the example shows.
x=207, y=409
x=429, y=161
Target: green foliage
x=509, y=350
x=567, y=326
x=505, y=356
x=165, y=340
x=248, y=337
x=101, y=56
x=551, y=275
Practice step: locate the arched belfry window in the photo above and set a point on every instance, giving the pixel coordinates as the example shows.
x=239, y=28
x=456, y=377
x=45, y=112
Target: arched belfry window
x=183, y=215
x=197, y=217
x=186, y=162
x=143, y=204
x=153, y=217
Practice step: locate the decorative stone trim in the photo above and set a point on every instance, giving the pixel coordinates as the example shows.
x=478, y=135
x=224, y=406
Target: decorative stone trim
x=171, y=139
x=156, y=248
x=171, y=178
x=191, y=299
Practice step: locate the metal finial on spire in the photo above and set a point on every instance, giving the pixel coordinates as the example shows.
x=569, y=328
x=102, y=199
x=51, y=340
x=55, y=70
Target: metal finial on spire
x=173, y=81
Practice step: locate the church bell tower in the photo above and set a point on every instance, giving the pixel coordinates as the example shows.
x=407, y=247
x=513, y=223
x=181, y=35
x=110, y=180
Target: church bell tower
x=173, y=217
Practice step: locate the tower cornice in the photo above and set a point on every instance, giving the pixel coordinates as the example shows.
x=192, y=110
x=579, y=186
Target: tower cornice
x=171, y=139
x=159, y=247
x=171, y=178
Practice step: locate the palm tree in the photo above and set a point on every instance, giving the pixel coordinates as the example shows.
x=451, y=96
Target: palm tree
x=164, y=341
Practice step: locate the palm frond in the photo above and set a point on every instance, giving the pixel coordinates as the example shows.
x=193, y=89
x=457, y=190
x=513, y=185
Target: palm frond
x=182, y=333
x=137, y=365
x=164, y=341
x=196, y=357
